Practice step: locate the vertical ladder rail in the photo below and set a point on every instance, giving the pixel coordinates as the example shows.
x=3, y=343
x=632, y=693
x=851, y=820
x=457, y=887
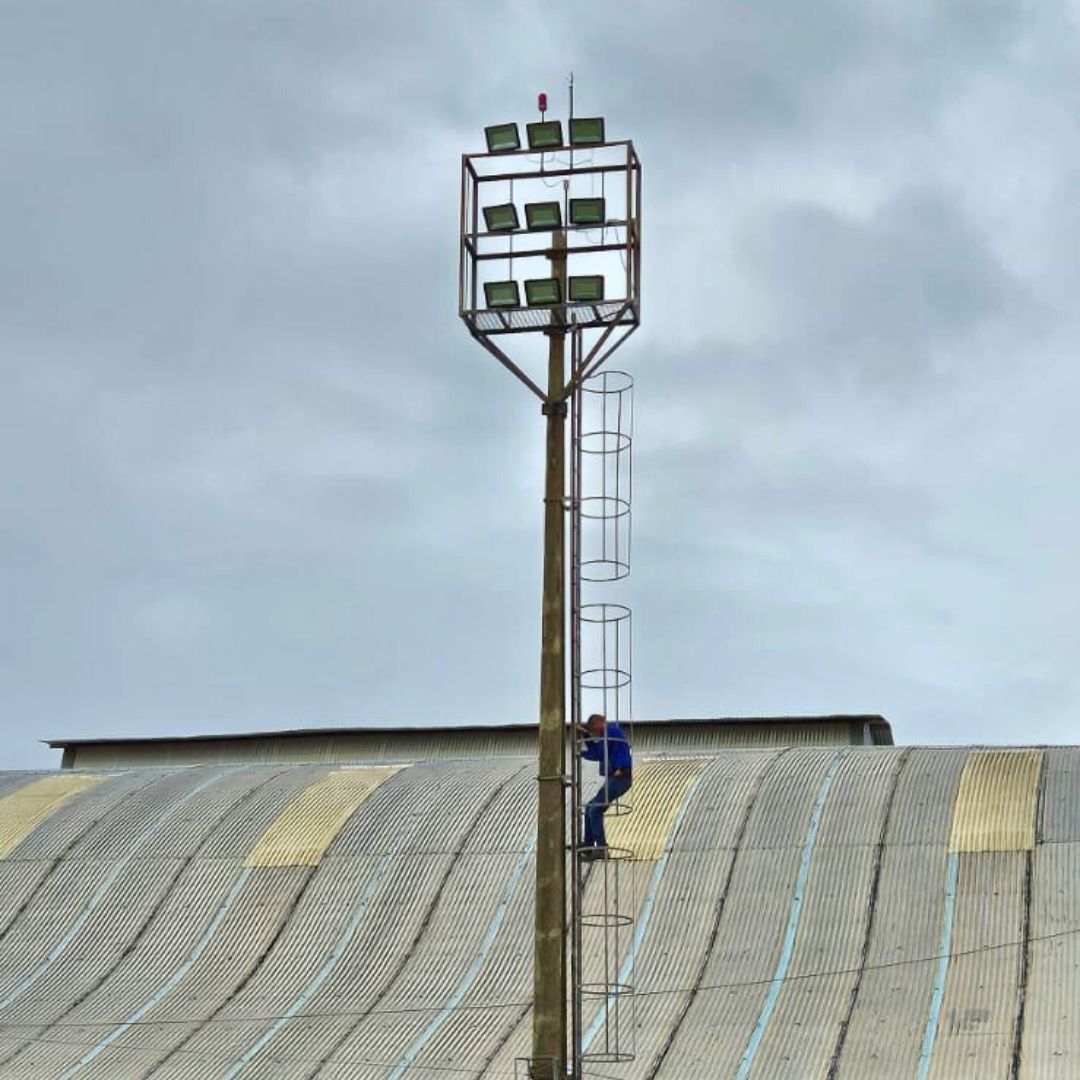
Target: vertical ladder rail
x=576, y=886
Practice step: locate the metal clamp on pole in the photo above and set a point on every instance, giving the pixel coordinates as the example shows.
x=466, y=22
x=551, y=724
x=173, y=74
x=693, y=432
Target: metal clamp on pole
x=554, y=408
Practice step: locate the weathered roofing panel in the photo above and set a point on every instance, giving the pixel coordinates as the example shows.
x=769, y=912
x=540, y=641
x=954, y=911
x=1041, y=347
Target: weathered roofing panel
x=58, y=836
x=654, y=800
x=811, y=1005
x=1051, y=1033
x=441, y=809
x=757, y=912
x=978, y=1013
x=893, y=992
x=1060, y=810
x=997, y=800
x=802, y=1031
x=25, y=808
x=303, y=831
x=784, y=929
x=926, y=796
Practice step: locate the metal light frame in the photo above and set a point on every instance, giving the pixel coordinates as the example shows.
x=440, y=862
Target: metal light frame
x=593, y=330
x=611, y=321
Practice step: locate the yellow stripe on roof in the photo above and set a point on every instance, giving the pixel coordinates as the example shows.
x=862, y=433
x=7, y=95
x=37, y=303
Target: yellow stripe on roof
x=997, y=801
x=655, y=798
x=310, y=823
x=27, y=807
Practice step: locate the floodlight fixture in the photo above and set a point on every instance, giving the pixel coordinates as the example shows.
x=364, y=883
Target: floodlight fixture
x=541, y=216
x=545, y=135
x=587, y=212
x=502, y=294
x=589, y=288
x=502, y=138
x=501, y=218
x=587, y=131
x=542, y=292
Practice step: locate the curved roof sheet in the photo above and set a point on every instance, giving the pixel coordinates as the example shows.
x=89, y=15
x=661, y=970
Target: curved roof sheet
x=798, y=912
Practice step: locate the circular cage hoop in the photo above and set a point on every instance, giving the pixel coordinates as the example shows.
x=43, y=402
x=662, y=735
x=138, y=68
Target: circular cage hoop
x=616, y=808
x=608, y=1057
x=605, y=442
x=607, y=989
x=618, y=855
x=605, y=920
x=608, y=381
x=598, y=678
x=604, y=507
x=604, y=570
x=604, y=613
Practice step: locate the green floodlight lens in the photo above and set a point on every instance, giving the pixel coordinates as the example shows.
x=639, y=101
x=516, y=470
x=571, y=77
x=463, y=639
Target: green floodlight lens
x=543, y=215
x=542, y=292
x=545, y=135
x=501, y=218
x=502, y=294
x=587, y=289
x=587, y=212
x=586, y=131
x=502, y=138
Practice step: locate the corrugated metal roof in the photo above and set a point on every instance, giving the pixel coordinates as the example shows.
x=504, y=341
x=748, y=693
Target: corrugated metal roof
x=1051, y=1035
x=800, y=894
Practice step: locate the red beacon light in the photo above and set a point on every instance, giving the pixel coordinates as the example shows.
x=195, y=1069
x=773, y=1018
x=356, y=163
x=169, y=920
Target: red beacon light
x=541, y=103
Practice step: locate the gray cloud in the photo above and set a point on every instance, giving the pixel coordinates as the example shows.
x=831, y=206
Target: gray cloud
x=256, y=474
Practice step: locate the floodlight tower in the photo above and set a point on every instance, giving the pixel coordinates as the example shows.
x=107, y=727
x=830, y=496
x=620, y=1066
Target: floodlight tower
x=581, y=198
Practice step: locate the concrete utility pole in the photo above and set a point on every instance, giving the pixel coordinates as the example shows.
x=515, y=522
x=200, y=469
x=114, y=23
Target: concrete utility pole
x=549, y=964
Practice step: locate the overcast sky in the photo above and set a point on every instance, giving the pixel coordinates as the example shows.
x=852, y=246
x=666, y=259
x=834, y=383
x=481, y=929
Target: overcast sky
x=256, y=475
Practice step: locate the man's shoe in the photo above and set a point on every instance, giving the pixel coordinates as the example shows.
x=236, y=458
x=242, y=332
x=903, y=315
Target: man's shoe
x=589, y=854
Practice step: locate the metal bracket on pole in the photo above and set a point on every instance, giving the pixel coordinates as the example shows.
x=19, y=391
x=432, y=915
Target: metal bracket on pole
x=509, y=364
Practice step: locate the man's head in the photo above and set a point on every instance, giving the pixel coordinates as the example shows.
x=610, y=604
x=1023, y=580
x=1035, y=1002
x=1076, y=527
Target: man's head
x=595, y=724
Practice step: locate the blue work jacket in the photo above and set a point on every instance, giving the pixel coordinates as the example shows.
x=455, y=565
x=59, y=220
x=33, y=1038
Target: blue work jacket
x=617, y=746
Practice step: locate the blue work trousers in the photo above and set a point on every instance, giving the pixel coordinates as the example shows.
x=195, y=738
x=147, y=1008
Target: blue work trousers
x=611, y=789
